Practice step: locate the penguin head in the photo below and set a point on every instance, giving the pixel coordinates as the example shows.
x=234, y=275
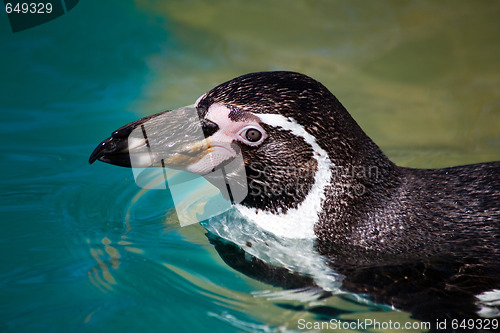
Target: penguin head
x=288, y=128
x=254, y=111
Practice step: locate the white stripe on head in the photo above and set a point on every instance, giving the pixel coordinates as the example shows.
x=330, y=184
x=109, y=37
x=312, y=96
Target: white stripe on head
x=296, y=222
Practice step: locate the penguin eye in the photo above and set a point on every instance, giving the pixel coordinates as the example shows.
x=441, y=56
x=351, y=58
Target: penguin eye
x=253, y=135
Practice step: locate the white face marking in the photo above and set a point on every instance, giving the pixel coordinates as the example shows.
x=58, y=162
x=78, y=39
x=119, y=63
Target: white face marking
x=297, y=222
x=230, y=130
x=219, y=144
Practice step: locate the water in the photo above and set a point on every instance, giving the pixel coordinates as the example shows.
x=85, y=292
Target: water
x=84, y=249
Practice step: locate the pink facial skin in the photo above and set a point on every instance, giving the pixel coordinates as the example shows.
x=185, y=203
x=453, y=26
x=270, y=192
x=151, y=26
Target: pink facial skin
x=219, y=144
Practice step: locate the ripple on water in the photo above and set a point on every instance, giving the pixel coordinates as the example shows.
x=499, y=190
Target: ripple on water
x=121, y=252
x=146, y=256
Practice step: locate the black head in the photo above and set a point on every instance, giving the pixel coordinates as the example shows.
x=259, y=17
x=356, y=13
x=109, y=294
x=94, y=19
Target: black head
x=287, y=126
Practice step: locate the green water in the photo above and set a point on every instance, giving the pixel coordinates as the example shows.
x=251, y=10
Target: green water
x=84, y=249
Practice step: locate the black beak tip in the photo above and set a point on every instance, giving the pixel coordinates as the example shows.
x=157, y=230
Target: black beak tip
x=113, y=151
x=97, y=153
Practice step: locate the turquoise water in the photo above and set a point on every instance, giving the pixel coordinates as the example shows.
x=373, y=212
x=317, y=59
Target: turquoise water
x=85, y=249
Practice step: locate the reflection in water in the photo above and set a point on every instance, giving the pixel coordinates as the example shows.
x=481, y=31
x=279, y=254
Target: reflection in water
x=108, y=260
x=229, y=304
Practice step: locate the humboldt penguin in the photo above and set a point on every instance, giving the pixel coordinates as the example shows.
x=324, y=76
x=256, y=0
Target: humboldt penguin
x=425, y=241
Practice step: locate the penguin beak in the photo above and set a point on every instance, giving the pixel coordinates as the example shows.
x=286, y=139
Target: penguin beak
x=174, y=139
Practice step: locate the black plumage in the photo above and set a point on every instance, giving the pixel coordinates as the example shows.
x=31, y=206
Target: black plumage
x=425, y=241
x=422, y=240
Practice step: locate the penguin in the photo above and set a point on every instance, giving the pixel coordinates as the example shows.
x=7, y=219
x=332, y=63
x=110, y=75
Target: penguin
x=426, y=241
